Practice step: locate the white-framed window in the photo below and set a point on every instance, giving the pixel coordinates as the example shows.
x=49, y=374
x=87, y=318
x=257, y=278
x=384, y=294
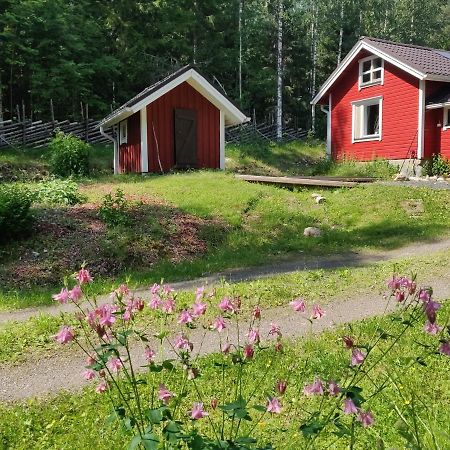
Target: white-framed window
x=371, y=71
x=123, y=132
x=367, y=119
x=446, y=122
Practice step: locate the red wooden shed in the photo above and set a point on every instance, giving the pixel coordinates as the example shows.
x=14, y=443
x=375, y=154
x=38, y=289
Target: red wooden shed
x=178, y=122
x=388, y=100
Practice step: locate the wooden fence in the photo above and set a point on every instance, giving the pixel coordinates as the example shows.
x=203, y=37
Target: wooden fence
x=38, y=134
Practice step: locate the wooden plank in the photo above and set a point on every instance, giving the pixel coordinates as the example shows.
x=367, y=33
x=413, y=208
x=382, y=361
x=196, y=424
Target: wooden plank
x=296, y=181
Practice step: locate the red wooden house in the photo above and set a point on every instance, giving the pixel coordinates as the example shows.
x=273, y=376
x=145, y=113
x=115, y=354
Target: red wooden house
x=388, y=100
x=178, y=122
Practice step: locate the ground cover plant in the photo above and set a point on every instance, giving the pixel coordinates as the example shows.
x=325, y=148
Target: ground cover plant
x=375, y=383
x=186, y=225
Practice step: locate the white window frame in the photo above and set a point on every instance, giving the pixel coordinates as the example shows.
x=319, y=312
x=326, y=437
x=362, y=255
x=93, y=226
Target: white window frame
x=446, y=118
x=372, y=82
x=123, y=132
x=364, y=103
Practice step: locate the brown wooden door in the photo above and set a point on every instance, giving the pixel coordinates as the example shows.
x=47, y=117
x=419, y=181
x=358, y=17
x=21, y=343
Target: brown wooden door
x=185, y=138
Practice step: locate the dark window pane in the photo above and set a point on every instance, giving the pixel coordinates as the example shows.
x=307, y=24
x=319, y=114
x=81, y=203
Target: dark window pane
x=376, y=63
x=377, y=75
x=366, y=78
x=366, y=66
x=373, y=119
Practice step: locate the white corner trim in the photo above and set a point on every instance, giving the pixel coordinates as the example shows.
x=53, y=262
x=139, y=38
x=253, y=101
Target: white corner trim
x=329, y=126
x=421, y=121
x=144, y=146
x=361, y=45
x=222, y=141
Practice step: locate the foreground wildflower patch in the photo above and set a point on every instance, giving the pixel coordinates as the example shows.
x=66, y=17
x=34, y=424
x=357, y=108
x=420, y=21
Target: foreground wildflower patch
x=110, y=331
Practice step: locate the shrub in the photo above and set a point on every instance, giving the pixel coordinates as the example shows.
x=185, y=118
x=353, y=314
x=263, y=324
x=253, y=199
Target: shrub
x=57, y=192
x=114, y=209
x=436, y=166
x=15, y=215
x=68, y=155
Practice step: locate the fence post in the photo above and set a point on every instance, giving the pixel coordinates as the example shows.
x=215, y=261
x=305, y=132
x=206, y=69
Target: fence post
x=86, y=124
x=24, y=138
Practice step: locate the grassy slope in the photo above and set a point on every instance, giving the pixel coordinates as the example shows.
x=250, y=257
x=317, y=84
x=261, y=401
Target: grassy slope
x=262, y=222
x=78, y=420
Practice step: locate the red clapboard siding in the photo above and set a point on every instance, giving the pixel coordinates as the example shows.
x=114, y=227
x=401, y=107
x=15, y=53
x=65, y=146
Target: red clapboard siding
x=445, y=140
x=399, y=121
x=160, y=123
x=130, y=153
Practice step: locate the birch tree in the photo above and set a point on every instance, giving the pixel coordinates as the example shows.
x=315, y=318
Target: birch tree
x=280, y=72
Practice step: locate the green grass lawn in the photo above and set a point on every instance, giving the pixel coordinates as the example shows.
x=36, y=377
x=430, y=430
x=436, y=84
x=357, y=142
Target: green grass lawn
x=415, y=398
x=201, y=222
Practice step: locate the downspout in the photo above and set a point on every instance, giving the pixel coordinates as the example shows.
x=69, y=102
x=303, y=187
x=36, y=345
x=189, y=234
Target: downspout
x=116, y=149
x=327, y=111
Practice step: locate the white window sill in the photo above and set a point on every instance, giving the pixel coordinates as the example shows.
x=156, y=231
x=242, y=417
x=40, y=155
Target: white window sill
x=446, y=127
x=372, y=83
x=367, y=139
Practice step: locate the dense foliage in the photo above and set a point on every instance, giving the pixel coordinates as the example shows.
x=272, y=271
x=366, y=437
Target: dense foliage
x=56, y=192
x=68, y=156
x=101, y=53
x=437, y=166
x=15, y=216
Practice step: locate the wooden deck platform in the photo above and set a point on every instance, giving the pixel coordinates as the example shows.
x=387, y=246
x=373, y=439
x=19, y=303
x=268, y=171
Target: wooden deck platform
x=320, y=181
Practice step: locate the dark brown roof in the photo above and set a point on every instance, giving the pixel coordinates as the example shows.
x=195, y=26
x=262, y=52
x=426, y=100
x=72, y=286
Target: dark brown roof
x=442, y=96
x=427, y=60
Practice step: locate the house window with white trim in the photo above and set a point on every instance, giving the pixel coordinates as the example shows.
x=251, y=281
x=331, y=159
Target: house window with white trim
x=371, y=71
x=447, y=118
x=367, y=119
x=123, y=132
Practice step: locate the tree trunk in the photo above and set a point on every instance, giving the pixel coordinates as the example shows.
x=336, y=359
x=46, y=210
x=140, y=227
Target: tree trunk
x=280, y=72
x=314, y=65
x=341, y=33
x=240, y=50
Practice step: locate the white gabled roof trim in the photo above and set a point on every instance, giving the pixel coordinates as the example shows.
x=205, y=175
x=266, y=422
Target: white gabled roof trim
x=362, y=45
x=233, y=116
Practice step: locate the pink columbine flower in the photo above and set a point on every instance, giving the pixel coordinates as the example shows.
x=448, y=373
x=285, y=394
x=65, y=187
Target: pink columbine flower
x=432, y=328
x=333, y=388
x=88, y=374
x=400, y=296
x=425, y=295
x=366, y=418
x=253, y=336
x=445, y=348
x=75, y=293
x=394, y=283
x=226, y=305
x=122, y=290
x=357, y=357
x=101, y=387
x=248, y=351
x=83, y=276
x=199, y=293
x=65, y=335
x=114, y=365
x=314, y=388
x=298, y=304
x=169, y=306
x=197, y=411
x=90, y=360
x=256, y=313
x=105, y=312
x=317, y=312
x=349, y=407
x=164, y=394
x=185, y=317
x=198, y=308
x=167, y=289
x=62, y=297
x=182, y=343
x=430, y=308
x=226, y=348
x=348, y=341
x=275, y=329
x=281, y=387
x=149, y=354
x=219, y=324
x=155, y=289
x=155, y=302
x=274, y=405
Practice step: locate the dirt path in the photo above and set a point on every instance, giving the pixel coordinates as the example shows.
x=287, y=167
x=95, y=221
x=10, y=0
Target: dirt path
x=306, y=262
x=62, y=370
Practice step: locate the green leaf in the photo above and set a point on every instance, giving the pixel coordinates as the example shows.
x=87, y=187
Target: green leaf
x=135, y=442
x=245, y=440
x=260, y=408
x=155, y=415
x=150, y=441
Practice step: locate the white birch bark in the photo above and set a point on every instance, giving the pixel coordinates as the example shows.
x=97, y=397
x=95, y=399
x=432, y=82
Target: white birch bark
x=314, y=64
x=240, y=50
x=280, y=72
x=341, y=33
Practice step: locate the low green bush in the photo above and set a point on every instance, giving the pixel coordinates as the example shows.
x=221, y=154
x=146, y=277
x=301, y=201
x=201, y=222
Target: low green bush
x=68, y=155
x=15, y=214
x=57, y=192
x=436, y=166
x=114, y=209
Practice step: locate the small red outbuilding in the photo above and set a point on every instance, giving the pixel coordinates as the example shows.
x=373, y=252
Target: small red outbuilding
x=388, y=100
x=178, y=122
